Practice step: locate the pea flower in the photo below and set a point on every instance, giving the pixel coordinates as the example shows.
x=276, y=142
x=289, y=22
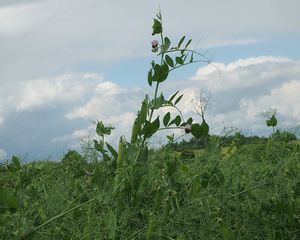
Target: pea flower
x=154, y=44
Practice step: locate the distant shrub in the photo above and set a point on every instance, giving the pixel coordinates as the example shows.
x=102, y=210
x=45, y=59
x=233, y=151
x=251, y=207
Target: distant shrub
x=284, y=136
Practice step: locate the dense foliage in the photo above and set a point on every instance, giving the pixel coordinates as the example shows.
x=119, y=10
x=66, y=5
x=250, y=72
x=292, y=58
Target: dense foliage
x=245, y=191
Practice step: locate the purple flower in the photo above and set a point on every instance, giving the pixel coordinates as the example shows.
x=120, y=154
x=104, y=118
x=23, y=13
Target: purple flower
x=154, y=44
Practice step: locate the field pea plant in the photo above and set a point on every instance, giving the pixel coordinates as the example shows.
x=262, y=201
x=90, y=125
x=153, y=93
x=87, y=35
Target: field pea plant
x=212, y=187
x=129, y=160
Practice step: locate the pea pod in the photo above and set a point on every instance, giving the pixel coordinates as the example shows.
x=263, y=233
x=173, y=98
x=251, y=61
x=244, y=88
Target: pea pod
x=144, y=110
x=136, y=129
x=120, y=152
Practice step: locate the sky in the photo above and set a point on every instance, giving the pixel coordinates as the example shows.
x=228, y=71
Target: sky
x=66, y=64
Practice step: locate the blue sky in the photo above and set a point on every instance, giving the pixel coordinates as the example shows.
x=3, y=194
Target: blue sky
x=67, y=63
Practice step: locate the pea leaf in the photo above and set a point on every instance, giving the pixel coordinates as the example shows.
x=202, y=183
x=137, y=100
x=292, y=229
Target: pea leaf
x=112, y=150
x=176, y=121
x=178, y=99
x=166, y=119
x=169, y=61
x=181, y=41
x=150, y=128
x=173, y=96
x=188, y=43
x=98, y=146
x=189, y=121
x=150, y=77
x=205, y=128
x=196, y=130
x=161, y=72
x=166, y=45
x=179, y=60
x=157, y=28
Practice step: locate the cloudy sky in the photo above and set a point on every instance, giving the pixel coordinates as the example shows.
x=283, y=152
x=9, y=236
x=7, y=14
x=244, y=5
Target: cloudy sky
x=65, y=64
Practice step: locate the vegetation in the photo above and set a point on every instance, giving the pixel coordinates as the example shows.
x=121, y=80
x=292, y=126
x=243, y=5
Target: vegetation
x=213, y=187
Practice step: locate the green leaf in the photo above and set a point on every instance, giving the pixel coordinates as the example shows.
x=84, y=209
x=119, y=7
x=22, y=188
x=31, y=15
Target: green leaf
x=178, y=99
x=101, y=130
x=8, y=201
x=151, y=128
x=112, y=150
x=166, y=45
x=157, y=28
x=166, y=119
x=188, y=43
x=179, y=60
x=189, y=121
x=181, y=41
x=192, y=57
x=150, y=77
x=196, y=130
x=161, y=72
x=173, y=96
x=98, y=146
x=169, y=61
x=176, y=120
x=205, y=128
x=159, y=101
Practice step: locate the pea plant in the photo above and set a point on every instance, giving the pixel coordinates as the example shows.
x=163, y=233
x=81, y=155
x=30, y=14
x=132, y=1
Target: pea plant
x=145, y=124
x=128, y=162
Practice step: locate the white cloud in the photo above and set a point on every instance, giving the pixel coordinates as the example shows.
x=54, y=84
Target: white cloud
x=245, y=88
x=48, y=92
x=108, y=99
x=3, y=154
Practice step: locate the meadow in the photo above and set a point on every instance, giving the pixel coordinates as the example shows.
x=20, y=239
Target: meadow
x=229, y=191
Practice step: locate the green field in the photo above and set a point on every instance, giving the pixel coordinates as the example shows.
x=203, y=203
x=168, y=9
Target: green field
x=238, y=191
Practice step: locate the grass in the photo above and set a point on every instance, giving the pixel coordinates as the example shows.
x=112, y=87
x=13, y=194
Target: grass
x=250, y=191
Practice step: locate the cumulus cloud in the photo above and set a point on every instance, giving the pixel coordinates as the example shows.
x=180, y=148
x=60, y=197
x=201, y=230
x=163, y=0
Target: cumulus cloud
x=57, y=112
x=245, y=88
x=3, y=154
x=109, y=99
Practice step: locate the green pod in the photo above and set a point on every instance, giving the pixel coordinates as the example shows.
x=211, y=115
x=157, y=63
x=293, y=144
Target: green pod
x=176, y=203
x=136, y=129
x=168, y=207
x=120, y=152
x=151, y=228
x=144, y=110
x=143, y=154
